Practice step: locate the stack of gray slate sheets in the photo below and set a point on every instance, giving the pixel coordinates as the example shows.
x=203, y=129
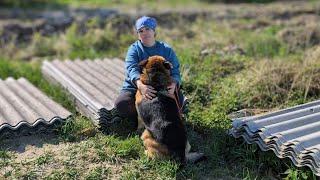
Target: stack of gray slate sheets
x=292, y=132
x=93, y=84
x=25, y=109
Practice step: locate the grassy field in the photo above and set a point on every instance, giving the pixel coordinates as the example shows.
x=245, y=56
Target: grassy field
x=226, y=65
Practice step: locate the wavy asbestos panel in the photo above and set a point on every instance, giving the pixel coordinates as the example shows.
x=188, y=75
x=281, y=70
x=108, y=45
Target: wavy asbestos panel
x=94, y=84
x=286, y=112
x=292, y=132
x=23, y=106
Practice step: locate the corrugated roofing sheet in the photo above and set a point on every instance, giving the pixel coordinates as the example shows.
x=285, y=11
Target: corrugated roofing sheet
x=94, y=84
x=24, y=107
x=292, y=132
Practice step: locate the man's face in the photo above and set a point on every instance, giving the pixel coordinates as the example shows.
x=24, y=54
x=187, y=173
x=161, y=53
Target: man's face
x=147, y=36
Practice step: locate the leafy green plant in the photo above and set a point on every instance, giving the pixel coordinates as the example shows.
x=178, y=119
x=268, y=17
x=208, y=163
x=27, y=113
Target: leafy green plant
x=294, y=174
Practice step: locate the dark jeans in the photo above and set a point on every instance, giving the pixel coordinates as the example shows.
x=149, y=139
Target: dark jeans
x=125, y=104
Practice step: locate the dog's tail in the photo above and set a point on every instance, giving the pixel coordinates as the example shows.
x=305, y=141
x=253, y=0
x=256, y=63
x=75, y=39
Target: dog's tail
x=195, y=157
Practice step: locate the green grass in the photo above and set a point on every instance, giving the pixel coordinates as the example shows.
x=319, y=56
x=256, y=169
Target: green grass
x=67, y=173
x=216, y=84
x=98, y=173
x=5, y=158
x=264, y=46
x=46, y=158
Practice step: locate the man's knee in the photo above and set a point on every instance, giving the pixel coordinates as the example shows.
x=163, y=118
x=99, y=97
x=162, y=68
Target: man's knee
x=125, y=105
x=121, y=105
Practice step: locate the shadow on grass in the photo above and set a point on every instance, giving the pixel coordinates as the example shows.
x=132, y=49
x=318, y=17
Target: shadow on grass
x=74, y=129
x=211, y=143
x=230, y=158
x=25, y=136
x=120, y=127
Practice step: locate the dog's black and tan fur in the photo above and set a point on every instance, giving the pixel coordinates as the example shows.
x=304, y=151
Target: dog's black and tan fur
x=165, y=133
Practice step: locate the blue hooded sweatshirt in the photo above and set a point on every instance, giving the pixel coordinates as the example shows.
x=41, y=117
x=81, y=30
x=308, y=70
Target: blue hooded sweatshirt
x=138, y=52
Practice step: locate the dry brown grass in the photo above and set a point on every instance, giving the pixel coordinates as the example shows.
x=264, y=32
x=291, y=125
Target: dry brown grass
x=301, y=37
x=275, y=82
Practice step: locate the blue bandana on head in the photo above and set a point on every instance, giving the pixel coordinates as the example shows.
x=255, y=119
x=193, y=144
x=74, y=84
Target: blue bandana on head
x=146, y=21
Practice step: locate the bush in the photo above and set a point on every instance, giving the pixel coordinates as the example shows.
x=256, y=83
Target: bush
x=41, y=46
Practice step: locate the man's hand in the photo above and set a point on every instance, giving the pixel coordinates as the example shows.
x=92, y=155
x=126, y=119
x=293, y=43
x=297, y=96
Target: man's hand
x=146, y=90
x=171, y=88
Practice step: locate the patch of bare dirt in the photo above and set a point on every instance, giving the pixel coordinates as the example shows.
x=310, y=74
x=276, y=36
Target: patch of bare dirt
x=20, y=144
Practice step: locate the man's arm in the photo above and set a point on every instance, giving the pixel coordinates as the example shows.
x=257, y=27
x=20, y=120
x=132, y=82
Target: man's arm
x=131, y=64
x=133, y=71
x=175, y=71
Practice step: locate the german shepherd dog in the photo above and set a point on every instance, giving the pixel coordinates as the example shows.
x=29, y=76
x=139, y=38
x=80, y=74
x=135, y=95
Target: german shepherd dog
x=165, y=134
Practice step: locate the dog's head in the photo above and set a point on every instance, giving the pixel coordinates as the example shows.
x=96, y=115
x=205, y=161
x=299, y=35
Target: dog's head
x=155, y=71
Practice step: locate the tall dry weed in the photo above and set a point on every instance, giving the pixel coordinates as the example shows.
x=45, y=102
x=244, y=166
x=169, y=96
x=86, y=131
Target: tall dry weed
x=309, y=76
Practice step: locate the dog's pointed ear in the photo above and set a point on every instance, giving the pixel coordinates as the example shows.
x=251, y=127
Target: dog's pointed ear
x=167, y=65
x=143, y=63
